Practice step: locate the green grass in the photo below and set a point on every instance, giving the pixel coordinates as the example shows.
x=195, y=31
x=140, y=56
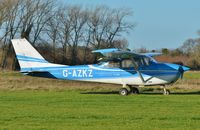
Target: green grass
x=73, y=110
x=38, y=103
x=192, y=75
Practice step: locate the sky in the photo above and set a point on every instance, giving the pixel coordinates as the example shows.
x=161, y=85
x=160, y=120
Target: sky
x=159, y=23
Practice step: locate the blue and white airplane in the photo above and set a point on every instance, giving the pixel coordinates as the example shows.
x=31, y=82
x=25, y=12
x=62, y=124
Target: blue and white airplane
x=131, y=70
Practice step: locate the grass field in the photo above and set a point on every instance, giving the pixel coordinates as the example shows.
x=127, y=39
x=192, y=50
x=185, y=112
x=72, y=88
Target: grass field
x=35, y=103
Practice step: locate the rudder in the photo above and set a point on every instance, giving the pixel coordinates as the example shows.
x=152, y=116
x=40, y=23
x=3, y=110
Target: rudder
x=27, y=55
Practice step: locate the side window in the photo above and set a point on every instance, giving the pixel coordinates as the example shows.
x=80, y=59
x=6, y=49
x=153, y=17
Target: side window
x=146, y=61
x=142, y=61
x=137, y=61
x=127, y=63
x=113, y=64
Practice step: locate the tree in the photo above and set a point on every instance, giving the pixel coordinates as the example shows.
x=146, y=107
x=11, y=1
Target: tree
x=52, y=30
x=165, y=51
x=107, y=24
x=118, y=24
x=73, y=29
x=79, y=19
x=25, y=19
x=188, y=46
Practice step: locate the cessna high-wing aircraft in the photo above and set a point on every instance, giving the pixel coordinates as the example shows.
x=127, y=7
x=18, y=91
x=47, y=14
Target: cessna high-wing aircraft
x=131, y=70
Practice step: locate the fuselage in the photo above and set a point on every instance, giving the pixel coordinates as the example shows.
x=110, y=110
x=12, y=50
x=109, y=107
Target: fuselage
x=153, y=74
x=115, y=66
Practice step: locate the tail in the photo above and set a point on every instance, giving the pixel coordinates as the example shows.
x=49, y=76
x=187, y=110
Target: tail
x=27, y=56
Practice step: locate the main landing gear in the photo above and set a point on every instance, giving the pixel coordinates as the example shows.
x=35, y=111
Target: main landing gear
x=128, y=90
x=134, y=90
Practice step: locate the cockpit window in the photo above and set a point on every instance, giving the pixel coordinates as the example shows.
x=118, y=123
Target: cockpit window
x=142, y=61
x=126, y=63
x=113, y=64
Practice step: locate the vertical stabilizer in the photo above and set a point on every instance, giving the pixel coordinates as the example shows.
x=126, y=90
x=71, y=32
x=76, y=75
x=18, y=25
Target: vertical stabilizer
x=27, y=55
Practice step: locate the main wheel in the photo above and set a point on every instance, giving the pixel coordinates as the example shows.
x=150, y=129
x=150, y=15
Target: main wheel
x=123, y=92
x=134, y=90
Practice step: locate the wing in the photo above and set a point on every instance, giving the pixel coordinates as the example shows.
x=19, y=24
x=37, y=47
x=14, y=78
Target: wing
x=105, y=52
x=116, y=53
x=151, y=54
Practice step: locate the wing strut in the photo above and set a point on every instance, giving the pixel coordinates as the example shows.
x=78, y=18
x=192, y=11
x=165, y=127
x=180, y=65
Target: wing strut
x=139, y=73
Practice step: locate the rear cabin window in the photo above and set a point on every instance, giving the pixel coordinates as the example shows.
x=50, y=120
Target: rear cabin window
x=127, y=63
x=113, y=64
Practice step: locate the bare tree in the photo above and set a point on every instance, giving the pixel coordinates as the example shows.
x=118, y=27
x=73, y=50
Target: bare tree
x=11, y=26
x=79, y=19
x=73, y=28
x=43, y=13
x=107, y=24
x=65, y=28
x=2, y=11
x=72, y=24
x=25, y=19
x=188, y=46
x=52, y=30
x=118, y=24
x=98, y=23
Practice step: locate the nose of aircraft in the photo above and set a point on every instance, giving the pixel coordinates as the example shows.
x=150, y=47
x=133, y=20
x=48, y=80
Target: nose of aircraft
x=185, y=68
x=180, y=68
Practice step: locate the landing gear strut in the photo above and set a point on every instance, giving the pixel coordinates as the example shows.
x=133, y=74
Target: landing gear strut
x=165, y=91
x=128, y=90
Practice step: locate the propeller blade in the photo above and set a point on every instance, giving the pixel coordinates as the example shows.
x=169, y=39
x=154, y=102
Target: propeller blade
x=181, y=71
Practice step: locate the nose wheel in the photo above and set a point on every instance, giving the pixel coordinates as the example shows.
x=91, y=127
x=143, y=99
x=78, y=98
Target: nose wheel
x=165, y=91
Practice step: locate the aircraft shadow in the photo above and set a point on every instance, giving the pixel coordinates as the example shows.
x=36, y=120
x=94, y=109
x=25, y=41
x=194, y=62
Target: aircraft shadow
x=172, y=93
x=110, y=92
x=146, y=93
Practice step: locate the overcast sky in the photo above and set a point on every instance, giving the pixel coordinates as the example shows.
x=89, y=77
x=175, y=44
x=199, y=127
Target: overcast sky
x=160, y=23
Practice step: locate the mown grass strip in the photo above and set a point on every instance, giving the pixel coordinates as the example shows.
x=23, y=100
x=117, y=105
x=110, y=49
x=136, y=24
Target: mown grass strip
x=73, y=110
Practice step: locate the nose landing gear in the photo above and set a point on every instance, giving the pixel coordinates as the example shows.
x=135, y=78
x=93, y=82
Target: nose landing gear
x=165, y=91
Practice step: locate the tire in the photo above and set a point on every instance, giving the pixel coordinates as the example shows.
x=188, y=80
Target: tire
x=134, y=90
x=167, y=92
x=123, y=92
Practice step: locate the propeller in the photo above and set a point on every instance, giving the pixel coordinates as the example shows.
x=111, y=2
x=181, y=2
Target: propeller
x=181, y=71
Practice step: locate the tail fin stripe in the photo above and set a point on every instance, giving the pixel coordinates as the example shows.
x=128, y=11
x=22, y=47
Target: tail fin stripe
x=28, y=60
x=31, y=59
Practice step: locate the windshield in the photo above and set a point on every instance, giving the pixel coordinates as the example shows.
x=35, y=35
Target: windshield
x=142, y=61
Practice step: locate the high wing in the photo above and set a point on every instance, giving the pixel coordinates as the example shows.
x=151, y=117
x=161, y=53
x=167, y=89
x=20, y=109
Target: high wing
x=151, y=54
x=115, y=51
x=105, y=51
